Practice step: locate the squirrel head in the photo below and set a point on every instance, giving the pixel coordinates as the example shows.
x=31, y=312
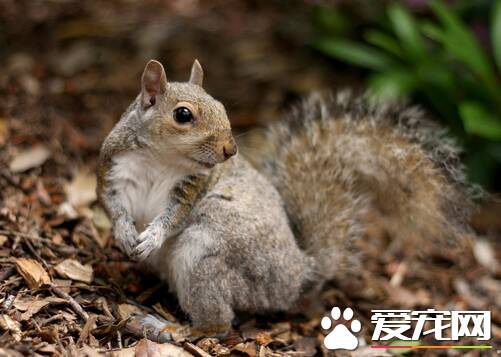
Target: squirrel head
x=182, y=122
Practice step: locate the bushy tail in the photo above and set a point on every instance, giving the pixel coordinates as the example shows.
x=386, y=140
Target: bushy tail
x=336, y=158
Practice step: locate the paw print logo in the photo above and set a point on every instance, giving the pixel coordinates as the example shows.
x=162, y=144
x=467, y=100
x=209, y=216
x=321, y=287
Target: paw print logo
x=341, y=337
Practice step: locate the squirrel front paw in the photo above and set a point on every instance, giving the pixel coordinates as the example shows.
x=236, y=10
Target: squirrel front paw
x=149, y=241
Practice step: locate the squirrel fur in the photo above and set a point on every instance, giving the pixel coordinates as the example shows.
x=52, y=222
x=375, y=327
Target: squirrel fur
x=228, y=236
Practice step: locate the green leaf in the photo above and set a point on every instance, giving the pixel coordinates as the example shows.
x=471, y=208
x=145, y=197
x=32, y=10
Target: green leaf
x=392, y=84
x=433, y=31
x=354, y=53
x=479, y=121
x=406, y=28
x=461, y=42
x=384, y=41
x=496, y=32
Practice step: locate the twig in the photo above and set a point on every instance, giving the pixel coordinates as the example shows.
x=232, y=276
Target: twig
x=35, y=253
x=75, y=305
x=119, y=339
x=84, y=335
x=9, y=300
x=52, y=318
x=25, y=235
x=197, y=351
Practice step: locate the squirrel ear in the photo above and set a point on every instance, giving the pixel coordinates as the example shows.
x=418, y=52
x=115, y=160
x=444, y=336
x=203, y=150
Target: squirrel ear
x=153, y=82
x=197, y=73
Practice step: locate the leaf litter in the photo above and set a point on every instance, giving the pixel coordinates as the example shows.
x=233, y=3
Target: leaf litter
x=66, y=288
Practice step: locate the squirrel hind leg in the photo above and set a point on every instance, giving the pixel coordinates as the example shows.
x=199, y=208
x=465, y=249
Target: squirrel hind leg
x=206, y=298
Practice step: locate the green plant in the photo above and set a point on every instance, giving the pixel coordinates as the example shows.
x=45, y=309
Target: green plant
x=439, y=62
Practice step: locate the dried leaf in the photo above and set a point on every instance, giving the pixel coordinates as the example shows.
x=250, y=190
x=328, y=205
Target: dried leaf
x=4, y=352
x=197, y=351
x=164, y=313
x=32, y=272
x=74, y=270
x=30, y=305
x=249, y=348
x=81, y=191
x=126, y=310
x=484, y=253
x=146, y=348
x=213, y=347
x=85, y=335
x=29, y=159
x=11, y=326
x=264, y=338
x=4, y=131
x=47, y=348
x=89, y=352
x=3, y=240
x=101, y=221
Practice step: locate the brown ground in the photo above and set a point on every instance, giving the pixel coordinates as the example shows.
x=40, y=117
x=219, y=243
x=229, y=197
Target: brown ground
x=68, y=69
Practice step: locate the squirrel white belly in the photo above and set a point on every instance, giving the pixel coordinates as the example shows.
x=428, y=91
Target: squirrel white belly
x=227, y=236
x=144, y=185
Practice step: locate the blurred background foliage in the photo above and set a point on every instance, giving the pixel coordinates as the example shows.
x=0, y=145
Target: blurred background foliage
x=74, y=65
x=446, y=56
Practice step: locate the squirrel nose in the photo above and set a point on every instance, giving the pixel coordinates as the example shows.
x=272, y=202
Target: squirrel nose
x=229, y=149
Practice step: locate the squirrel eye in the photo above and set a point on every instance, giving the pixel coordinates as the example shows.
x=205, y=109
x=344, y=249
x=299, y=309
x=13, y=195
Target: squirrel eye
x=183, y=115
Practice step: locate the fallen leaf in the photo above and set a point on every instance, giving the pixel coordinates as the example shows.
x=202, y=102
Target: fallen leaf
x=5, y=352
x=197, y=351
x=164, y=313
x=30, y=305
x=47, y=348
x=146, y=348
x=73, y=269
x=126, y=310
x=249, y=348
x=64, y=285
x=264, y=338
x=29, y=159
x=3, y=240
x=81, y=191
x=213, y=347
x=484, y=253
x=103, y=226
x=4, y=131
x=11, y=326
x=32, y=272
x=89, y=351
x=85, y=334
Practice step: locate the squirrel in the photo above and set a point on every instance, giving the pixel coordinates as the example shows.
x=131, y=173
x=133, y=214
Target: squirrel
x=227, y=235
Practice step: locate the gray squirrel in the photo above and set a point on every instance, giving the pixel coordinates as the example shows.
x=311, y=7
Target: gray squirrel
x=229, y=236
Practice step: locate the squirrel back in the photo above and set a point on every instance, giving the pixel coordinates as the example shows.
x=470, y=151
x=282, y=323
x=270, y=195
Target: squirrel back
x=336, y=158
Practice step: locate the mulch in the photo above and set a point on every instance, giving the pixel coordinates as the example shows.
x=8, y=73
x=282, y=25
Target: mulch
x=65, y=287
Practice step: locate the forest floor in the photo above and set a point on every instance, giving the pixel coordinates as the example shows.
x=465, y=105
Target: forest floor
x=68, y=71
